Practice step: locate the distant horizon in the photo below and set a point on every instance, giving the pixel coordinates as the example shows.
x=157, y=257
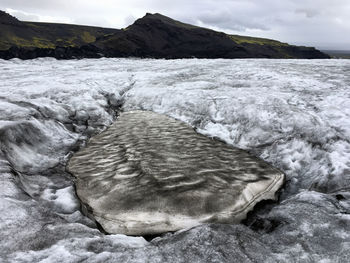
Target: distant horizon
x=325, y=26
x=340, y=50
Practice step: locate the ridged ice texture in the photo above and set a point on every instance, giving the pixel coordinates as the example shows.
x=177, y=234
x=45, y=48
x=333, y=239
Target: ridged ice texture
x=149, y=174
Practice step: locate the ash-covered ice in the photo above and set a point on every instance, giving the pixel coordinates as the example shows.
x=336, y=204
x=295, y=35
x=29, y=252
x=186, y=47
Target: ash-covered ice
x=150, y=174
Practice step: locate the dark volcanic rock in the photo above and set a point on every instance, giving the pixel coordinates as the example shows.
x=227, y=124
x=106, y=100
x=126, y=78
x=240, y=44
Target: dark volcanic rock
x=161, y=37
x=86, y=51
x=6, y=18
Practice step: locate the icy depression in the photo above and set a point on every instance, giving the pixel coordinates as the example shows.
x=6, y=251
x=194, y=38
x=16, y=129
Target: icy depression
x=294, y=114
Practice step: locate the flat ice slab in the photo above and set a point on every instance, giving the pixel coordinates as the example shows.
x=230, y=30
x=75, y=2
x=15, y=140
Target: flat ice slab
x=149, y=173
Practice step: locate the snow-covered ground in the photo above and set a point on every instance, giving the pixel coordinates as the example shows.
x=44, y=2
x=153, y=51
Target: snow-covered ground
x=295, y=114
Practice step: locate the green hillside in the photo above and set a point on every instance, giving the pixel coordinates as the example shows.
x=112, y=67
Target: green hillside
x=256, y=40
x=46, y=35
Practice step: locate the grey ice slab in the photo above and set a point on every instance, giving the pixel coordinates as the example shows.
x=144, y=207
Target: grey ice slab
x=149, y=173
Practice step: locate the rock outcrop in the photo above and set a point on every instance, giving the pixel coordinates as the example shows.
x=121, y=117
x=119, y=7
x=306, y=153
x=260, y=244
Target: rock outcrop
x=150, y=174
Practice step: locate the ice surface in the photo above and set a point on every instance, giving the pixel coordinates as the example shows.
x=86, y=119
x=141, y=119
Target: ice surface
x=294, y=114
x=150, y=174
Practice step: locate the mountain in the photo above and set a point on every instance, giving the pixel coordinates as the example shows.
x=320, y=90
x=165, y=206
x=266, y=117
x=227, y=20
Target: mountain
x=153, y=35
x=159, y=36
x=46, y=35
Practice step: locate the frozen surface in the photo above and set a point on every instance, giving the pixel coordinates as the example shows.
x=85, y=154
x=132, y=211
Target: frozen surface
x=294, y=114
x=150, y=174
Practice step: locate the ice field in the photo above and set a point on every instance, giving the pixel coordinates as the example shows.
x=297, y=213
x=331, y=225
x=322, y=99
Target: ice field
x=294, y=114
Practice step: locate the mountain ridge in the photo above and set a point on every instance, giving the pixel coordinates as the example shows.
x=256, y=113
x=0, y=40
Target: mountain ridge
x=152, y=36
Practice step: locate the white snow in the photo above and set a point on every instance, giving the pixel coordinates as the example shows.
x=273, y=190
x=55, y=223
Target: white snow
x=64, y=199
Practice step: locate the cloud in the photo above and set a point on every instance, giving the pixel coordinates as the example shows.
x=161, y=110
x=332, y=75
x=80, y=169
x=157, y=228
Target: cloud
x=321, y=23
x=24, y=16
x=225, y=20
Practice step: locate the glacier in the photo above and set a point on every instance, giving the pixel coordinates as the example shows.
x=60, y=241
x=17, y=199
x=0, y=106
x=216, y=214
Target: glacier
x=294, y=114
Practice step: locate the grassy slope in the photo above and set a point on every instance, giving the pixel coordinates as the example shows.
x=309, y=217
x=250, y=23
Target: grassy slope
x=48, y=35
x=257, y=41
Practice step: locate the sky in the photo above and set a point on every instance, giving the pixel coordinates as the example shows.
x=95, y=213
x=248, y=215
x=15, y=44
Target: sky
x=324, y=24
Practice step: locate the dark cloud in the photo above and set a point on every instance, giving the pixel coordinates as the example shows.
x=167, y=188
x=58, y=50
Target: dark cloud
x=307, y=12
x=225, y=20
x=321, y=23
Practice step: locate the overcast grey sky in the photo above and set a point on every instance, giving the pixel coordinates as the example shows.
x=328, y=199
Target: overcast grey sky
x=321, y=23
